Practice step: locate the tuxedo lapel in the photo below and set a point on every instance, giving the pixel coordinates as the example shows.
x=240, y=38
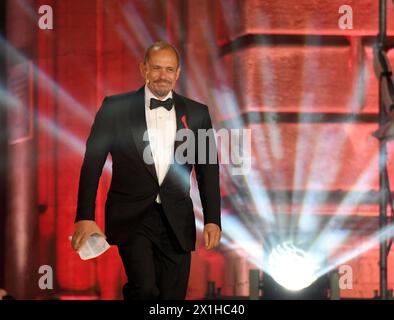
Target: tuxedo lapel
x=181, y=116
x=139, y=128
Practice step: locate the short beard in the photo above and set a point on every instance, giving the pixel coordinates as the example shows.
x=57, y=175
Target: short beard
x=160, y=93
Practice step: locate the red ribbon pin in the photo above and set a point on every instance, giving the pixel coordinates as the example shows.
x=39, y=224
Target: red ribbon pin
x=183, y=119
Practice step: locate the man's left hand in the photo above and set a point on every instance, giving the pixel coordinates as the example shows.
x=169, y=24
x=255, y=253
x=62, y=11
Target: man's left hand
x=211, y=235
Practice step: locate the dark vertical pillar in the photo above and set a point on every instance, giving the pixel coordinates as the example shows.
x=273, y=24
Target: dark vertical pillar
x=21, y=272
x=382, y=164
x=3, y=147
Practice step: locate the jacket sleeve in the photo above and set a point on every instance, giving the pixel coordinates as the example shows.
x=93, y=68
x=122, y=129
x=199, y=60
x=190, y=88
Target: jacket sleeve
x=97, y=148
x=207, y=173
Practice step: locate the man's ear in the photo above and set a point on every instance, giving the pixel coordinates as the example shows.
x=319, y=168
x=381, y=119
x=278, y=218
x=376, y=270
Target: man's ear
x=178, y=72
x=143, y=70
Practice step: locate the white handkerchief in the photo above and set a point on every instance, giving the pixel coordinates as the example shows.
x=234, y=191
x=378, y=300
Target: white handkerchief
x=93, y=247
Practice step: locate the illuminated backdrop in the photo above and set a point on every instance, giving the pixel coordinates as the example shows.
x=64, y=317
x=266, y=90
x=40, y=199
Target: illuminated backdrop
x=283, y=69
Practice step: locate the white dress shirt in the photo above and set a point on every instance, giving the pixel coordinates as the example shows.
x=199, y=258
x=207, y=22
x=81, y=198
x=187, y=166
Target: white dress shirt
x=161, y=125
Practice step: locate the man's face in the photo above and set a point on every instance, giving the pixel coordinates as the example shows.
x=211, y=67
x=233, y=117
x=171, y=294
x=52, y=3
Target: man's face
x=161, y=71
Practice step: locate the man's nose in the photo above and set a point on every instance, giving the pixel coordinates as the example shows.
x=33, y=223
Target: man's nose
x=164, y=78
x=163, y=75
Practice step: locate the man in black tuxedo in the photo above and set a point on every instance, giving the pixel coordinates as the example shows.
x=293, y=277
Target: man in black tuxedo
x=149, y=213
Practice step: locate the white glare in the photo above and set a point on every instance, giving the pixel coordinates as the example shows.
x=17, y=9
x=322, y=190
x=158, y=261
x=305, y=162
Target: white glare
x=291, y=267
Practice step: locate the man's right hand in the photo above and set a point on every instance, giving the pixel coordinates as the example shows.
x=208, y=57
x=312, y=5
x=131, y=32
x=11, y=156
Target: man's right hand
x=83, y=230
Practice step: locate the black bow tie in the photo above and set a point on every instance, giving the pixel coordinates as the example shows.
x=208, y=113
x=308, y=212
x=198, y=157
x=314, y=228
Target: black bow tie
x=154, y=103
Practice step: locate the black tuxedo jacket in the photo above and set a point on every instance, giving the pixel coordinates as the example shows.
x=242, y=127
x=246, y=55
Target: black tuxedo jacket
x=118, y=129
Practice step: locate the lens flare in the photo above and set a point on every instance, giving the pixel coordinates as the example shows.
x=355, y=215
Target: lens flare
x=292, y=267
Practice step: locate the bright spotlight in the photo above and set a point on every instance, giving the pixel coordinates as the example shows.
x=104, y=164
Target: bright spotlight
x=291, y=267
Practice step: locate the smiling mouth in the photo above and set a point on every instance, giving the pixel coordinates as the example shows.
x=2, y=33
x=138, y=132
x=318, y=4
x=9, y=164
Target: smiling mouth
x=163, y=82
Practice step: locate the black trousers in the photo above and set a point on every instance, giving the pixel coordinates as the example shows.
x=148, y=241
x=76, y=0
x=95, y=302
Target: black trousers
x=155, y=264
